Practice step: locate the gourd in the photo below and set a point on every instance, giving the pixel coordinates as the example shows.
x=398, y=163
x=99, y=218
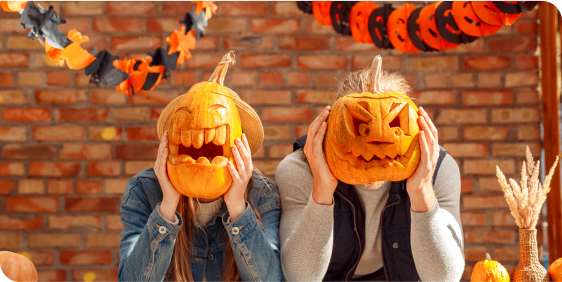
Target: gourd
x=17, y=267
x=555, y=270
x=489, y=270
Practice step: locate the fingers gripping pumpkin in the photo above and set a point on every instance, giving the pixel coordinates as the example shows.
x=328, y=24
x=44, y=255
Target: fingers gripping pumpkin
x=372, y=136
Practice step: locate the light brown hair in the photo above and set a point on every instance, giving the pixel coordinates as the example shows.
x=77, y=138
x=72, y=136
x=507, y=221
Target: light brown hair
x=356, y=82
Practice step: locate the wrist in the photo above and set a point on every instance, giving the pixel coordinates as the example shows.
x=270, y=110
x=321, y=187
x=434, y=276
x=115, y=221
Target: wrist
x=168, y=211
x=422, y=198
x=235, y=209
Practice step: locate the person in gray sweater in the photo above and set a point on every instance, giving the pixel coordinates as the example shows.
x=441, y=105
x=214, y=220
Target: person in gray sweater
x=309, y=251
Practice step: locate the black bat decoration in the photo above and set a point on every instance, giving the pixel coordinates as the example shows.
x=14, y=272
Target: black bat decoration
x=160, y=57
x=44, y=23
x=195, y=22
x=442, y=21
x=339, y=12
x=377, y=27
x=103, y=72
x=305, y=6
x=414, y=31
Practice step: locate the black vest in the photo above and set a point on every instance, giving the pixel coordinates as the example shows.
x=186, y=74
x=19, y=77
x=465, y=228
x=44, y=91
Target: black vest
x=349, y=231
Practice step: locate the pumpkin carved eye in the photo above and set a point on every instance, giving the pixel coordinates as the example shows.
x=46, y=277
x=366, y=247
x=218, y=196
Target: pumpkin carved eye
x=400, y=114
x=357, y=117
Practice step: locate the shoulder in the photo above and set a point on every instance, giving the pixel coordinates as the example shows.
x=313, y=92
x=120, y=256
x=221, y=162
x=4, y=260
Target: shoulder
x=143, y=190
x=294, y=173
x=263, y=193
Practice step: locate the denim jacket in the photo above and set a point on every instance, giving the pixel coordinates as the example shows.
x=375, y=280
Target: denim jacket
x=147, y=242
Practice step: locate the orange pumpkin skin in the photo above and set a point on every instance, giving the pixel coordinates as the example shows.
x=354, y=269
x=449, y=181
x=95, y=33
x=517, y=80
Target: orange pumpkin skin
x=489, y=271
x=17, y=267
x=372, y=137
x=555, y=270
x=203, y=127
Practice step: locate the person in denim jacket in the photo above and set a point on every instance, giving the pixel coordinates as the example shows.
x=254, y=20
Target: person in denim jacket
x=169, y=236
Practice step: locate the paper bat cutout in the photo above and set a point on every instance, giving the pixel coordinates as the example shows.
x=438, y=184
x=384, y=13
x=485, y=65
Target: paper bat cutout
x=160, y=57
x=339, y=14
x=305, y=6
x=490, y=14
x=181, y=42
x=378, y=21
x=209, y=7
x=398, y=30
x=414, y=32
x=74, y=55
x=44, y=23
x=359, y=21
x=138, y=70
x=321, y=12
x=13, y=6
x=196, y=22
x=469, y=23
x=446, y=25
x=103, y=72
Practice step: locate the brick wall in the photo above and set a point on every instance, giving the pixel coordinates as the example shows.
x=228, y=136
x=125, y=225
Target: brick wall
x=68, y=148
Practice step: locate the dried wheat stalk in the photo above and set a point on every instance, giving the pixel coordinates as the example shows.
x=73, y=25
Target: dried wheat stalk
x=525, y=201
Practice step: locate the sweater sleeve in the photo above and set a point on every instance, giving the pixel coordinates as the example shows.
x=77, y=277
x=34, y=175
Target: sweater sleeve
x=306, y=229
x=436, y=235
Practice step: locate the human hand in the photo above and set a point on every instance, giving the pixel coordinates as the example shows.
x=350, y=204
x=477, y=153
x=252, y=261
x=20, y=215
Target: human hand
x=419, y=185
x=171, y=196
x=324, y=181
x=234, y=197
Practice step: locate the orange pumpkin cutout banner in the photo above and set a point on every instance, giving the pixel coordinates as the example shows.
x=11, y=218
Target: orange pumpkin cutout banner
x=410, y=29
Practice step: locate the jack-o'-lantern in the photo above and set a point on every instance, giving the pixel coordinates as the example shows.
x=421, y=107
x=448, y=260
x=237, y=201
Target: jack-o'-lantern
x=202, y=126
x=16, y=267
x=489, y=270
x=555, y=270
x=321, y=12
x=372, y=136
x=468, y=22
x=429, y=32
x=490, y=14
x=359, y=21
x=398, y=31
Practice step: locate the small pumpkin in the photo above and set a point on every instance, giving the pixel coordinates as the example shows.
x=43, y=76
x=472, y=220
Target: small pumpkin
x=17, y=267
x=489, y=270
x=555, y=270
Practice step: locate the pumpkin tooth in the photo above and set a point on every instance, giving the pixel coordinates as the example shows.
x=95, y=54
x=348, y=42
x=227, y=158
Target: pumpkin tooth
x=220, y=135
x=220, y=161
x=209, y=135
x=176, y=134
x=197, y=138
x=173, y=159
x=185, y=158
x=203, y=160
x=173, y=148
x=186, y=138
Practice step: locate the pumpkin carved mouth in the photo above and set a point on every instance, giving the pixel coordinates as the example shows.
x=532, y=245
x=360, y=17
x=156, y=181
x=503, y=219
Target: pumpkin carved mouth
x=209, y=146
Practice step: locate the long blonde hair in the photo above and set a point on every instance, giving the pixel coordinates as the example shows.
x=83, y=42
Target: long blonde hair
x=180, y=266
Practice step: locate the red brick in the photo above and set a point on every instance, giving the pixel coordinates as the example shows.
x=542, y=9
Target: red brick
x=32, y=204
x=277, y=132
x=176, y=8
x=113, y=222
x=462, y=80
x=277, y=26
x=99, y=41
x=54, y=169
x=434, y=97
x=130, y=8
x=51, y=275
x=505, y=253
x=40, y=258
x=271, y=78
x=485, y=132
x=265, y=61
x=487, y=62
x=7, y=223
x=134, y=167
x=347, y=43
x=184, y=78
x=285, y=8
x=503, y=219
x=247, y=42
x=26, y=114
x=389, y=62
x=315, y=28
x=106, y=96
x=82, y=115
x=299, y=78
x=515, y=115
x=488, y=166
x=452, y=116
x=266, y=97
x=204, y=61
x=287, y=114
x=92, y=204
x=445, y=63
x=59, y=96
x=7, y=79
x=13, y=97
x=489, y=80
x=85, y=257
x=73, y=221
x=487, y=97
x=466, y=149
x=489, y=236
x=117, y=24
x=135, y=42
x=61, y=78
x=315, y=96
x=435, y=80
x=54, y=240
x=142, y=133
x=153, y=97
x=526, y=27
x=30, y=186
x=59, y=187
x=242, y=78
x=11, y=169
x=6, y=186
x=22, y=152
x=513, y=44
x=13, y=26
x=515, y=149
x=526, y=62
x=228, y=26
x=322, y=62
x=58, y=133
x=161, y=25
x=280, y=151
x=489, y=184
x=130, y=114
x=10, y=240
x=241, y=8
x=136, y=151
x=88, y=187
x=473, y=218
x=100, y=274
x=85, y=151
x=80, y=24
x=528, y=133
x=13, y=134
x=83, y=8
x=109, y=168
x=304, y=43
x=484, y=202
x=529, y=96
x=13, y=60
x=102, y=133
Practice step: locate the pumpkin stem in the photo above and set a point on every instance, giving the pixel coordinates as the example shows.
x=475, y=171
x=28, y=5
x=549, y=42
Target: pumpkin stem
x=220, y=72
x=375, y=73
x=488, y=257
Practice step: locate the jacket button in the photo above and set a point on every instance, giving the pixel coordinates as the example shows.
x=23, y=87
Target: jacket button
x=210, y=257
x=395, y=245
x=235, y=230
x=162, y=230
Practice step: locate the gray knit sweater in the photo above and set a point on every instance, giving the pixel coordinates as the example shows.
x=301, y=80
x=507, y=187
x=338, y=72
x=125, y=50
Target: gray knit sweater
x=306, y=229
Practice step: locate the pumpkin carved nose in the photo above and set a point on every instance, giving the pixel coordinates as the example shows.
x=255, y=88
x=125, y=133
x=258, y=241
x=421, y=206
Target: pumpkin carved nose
x=364, y=130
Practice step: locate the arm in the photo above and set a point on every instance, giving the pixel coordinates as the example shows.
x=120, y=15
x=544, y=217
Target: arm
x=306, y=229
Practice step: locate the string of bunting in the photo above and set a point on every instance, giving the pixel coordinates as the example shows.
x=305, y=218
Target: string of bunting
x=130, y=76
x=436, y=26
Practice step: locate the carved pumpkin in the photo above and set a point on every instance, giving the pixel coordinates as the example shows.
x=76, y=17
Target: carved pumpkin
x=555, y=270
x=359, y=21
x=16, y=267
x=398, y=31
x=489, y=270
x=372, y=136
x=468, y=22
x=490, y=14
x=204, y=124
x=321, y=12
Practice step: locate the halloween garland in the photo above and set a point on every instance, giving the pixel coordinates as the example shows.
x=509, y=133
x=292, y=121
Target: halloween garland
x=437, y=26
x=130, y=76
